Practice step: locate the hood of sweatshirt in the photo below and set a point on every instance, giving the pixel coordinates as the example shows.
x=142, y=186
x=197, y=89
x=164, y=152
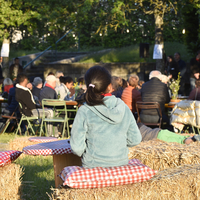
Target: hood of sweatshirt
x=113, y=110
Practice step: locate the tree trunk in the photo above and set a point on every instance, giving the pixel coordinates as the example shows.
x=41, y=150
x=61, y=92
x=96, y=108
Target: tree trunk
x=159, y=39
x=5, y=69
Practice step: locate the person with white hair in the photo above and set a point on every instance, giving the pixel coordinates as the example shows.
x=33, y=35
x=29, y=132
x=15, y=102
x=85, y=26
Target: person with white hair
x=48, y=91
x=7, y=82
x=58, y=75
x=154, y=91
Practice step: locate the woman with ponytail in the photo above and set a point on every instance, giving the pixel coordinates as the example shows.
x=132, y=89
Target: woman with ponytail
x=104, y=126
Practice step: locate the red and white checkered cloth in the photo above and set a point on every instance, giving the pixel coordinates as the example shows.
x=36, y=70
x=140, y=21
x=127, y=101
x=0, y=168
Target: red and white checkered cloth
x=49, y=148
x=79, y=177
x=43, y=139
x=6, y=157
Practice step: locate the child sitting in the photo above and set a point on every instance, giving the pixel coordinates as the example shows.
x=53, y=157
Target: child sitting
x=104, y=127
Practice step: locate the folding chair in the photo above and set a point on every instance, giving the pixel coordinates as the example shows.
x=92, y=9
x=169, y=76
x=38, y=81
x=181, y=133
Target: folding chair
x=9, y=118
x=25, y=118
x=53, y=103
x=146, y=106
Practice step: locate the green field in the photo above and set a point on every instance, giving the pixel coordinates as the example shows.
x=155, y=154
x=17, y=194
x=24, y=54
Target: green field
x=131, y=54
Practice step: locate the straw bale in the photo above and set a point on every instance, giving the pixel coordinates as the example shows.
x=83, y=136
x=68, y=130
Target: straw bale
x=181, y=183
x=20, y=143
x=10, y=182
x=160, y=155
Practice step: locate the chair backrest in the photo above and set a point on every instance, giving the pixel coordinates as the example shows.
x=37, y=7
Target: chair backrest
x=55, y=104
x=147, y=106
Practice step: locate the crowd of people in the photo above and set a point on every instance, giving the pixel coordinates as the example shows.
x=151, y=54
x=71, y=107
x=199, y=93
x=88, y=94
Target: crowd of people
x=108, y=107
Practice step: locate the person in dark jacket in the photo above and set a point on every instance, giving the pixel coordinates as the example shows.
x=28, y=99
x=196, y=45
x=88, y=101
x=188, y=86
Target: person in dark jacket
x=154, y=91
x=48, y=91
x=194, y=70
x=37, y=86
x=172, y=68
x=29, y=108
x=117, y=86
x=15, y=69
x=195, y=93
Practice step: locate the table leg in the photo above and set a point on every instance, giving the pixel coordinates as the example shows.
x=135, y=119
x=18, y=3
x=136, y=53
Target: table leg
x=61, y=161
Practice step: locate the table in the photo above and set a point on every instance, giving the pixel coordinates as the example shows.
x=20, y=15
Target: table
x=71, y=103
x=42, y=139
x=61, y=152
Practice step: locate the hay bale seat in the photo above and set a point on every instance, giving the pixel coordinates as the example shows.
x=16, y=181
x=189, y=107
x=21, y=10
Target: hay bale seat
x=181, y=183
x=20, y=143
x=10, y=182
x=160, y=155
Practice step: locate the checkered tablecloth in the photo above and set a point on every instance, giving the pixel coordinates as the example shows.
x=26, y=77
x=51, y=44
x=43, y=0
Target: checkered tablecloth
x=49, y=148
x=43, y=139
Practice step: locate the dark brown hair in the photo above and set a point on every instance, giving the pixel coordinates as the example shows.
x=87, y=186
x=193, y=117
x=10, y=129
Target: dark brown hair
x=100, y=78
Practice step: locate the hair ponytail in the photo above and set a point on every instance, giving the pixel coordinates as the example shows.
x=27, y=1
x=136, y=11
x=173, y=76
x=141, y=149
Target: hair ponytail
x=93, y=98
x=97, y=80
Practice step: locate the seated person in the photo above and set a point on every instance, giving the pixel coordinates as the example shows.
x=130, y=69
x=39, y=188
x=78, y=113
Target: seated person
x=104, y=126
x=154, y=91
x=48, y=91
x=117, y=86
x=195, y=93
x=12, y=103
x=64, y=89
x=130, y=94
x=7, y=84
x=37, y=86
x=29, y=108
x=58, y=75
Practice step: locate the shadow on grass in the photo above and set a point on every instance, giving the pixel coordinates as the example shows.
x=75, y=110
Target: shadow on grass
x=38, y=177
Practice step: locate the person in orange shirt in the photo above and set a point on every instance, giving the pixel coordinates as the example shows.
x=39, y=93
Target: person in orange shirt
x=130, y=94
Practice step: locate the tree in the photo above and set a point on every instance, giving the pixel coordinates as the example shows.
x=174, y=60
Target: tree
x=11, y=16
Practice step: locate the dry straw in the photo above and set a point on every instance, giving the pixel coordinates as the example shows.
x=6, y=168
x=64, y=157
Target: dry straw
x=20, y=143
x=160, y=155
x=10, y=182
x=181, y=183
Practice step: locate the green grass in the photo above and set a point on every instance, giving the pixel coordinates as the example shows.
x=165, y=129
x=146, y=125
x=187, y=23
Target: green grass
x=38, y=176
x=131, y=54
x=18, y=53
x=5, y=138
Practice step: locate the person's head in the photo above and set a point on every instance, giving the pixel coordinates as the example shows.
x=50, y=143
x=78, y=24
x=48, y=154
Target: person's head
x=16, y=60
x=177, y=56
x=164, y=78
x=37, y=82
x=124, y=83
x=59, y=74
x=98, y=82
x=170, y=58
x=7, y=81
x=67, y=80
x=51, y=73
x=51, y=80
x=197, y=83
x=1, y=59
x=81, y=80
x=116, y=82
x=154, y=73
x=133, y=80
x=22, y=79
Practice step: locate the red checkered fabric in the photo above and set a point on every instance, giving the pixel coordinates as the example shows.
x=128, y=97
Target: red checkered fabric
x=43, y=139
x=79, y=177
x=49, y=148
x=6, y=157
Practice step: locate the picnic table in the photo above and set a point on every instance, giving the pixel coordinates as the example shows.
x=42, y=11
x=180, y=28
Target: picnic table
x=61, y=152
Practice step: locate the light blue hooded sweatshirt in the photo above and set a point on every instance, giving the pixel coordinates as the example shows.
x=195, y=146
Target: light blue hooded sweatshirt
x=102, y=134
